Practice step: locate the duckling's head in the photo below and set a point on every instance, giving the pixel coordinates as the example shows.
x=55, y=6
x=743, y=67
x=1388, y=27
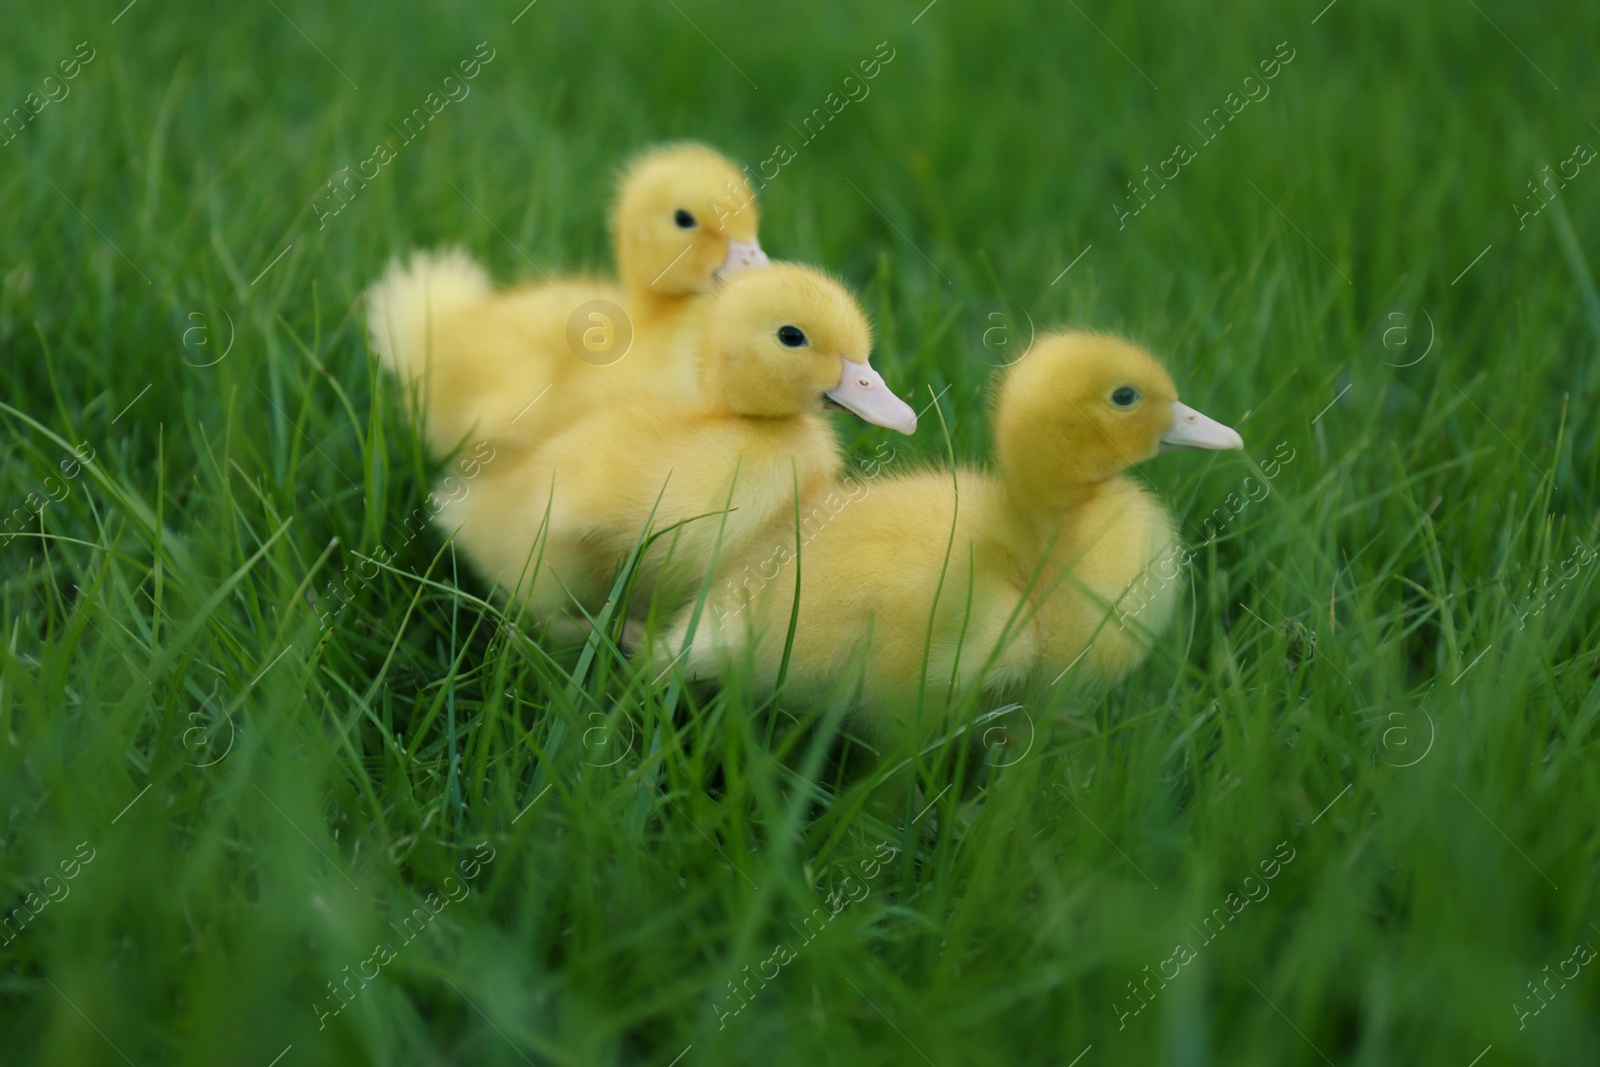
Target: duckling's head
x=789, y=340
x=1081, y=407
x=685, y=217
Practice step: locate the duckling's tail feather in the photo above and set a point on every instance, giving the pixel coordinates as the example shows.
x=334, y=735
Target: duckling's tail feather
x=404, y=305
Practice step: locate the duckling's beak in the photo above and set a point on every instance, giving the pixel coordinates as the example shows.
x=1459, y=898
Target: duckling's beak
x=1190, y=429
x=741, y=256
x=862, y=392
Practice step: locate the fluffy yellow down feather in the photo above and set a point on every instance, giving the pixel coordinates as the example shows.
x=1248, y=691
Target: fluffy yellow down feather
x=512, y=366
x=554, y=525
x=1023, y=572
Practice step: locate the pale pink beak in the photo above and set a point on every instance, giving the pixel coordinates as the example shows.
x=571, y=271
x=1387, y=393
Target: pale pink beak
x=862, y=392
x=741, y=256
x=1190, y=429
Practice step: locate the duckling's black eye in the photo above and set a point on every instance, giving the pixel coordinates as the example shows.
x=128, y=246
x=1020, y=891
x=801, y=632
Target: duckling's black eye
x=684, y=220
x=1125, y=397
x=791, y=336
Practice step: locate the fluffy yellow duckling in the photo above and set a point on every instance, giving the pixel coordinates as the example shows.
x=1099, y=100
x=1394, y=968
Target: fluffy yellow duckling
x=1047, y=558
x=776, y=346
x=483, y=360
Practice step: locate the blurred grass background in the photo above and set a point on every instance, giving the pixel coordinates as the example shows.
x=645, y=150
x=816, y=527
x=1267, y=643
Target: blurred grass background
x=264, y=800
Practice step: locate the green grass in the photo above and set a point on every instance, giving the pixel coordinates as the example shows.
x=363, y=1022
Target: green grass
x=296, y=790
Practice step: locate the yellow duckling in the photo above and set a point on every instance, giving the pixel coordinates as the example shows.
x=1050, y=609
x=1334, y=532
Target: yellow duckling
x=1052, y=561
x=775, y=347
x=483, y=361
